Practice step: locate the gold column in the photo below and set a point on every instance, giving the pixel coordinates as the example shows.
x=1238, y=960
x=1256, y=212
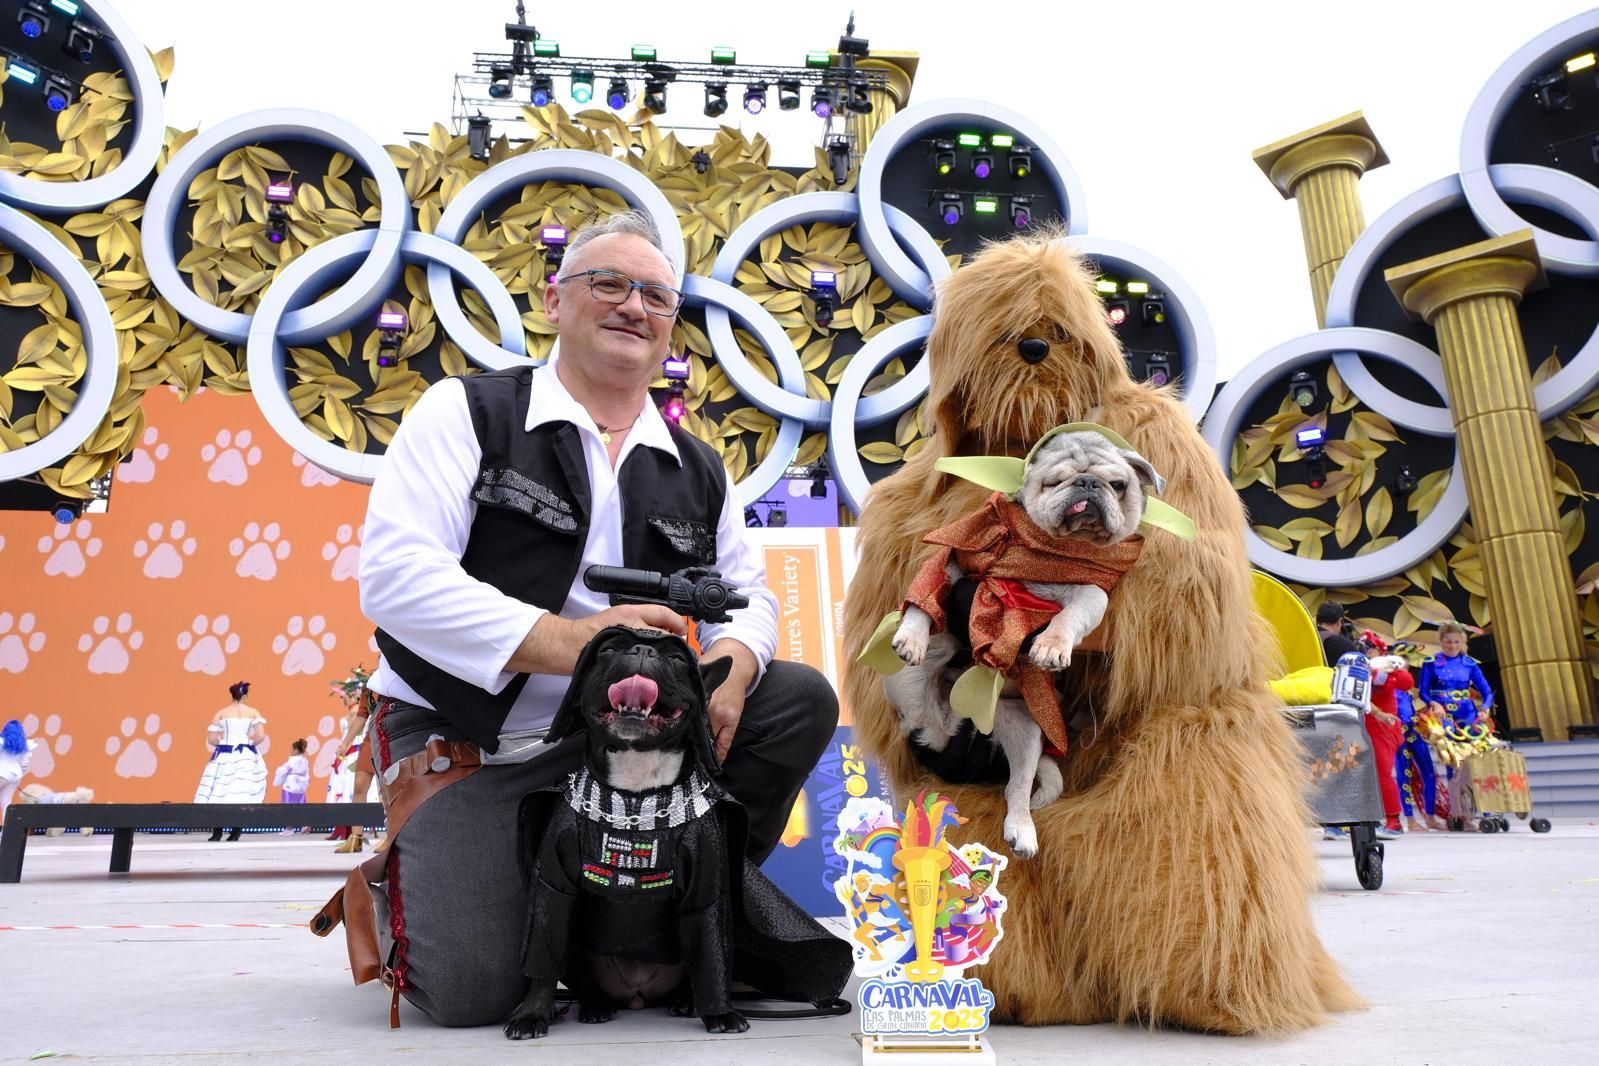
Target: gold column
x=900, y=68
x=1469, y=296
x=1320, y=170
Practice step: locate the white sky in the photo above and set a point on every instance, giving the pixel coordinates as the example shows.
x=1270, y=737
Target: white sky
x=1157, y=104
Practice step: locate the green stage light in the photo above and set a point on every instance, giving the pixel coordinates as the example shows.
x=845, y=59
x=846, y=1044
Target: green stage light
x=970, y=140
x=985, y=205
x=582, y=86
x=1001, y=140
x=818, y=59
x=724, y=55
x=643, y=53
x=546, y=48
x=1138, y=288
x=1582, y=62
x=1106, y=288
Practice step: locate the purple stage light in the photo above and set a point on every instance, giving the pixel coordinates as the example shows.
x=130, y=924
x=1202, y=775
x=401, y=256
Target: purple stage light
x=952, y=215
x=982, y=170
x=823, y=109
x=675, y=369
x=391, y=321
x=553, y=236
x=281, y=192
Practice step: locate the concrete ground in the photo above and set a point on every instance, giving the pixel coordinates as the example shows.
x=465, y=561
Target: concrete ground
x=1477, y=949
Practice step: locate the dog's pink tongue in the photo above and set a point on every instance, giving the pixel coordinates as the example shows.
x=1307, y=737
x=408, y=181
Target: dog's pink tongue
x=635, y=691
x=1078, y=508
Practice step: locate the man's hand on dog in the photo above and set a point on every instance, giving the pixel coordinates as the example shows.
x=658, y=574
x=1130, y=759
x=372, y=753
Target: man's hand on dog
x=554, y=643
x=726, y=704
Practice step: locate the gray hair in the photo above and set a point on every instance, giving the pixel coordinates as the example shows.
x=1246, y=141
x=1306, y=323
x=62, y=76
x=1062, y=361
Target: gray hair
x=632, y=222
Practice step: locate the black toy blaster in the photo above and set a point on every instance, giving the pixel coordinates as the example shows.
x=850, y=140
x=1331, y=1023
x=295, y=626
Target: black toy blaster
x=698, y=592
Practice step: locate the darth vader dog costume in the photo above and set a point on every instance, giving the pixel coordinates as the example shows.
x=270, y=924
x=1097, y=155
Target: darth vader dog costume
x=640, y=892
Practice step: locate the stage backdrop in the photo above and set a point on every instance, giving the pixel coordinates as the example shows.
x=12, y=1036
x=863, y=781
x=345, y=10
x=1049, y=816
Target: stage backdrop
x=225, y=557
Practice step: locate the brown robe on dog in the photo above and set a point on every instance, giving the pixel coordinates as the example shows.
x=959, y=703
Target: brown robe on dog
x=1003, y=549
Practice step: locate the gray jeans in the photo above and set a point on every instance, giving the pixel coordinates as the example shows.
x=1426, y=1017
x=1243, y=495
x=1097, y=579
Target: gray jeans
x=457, y=904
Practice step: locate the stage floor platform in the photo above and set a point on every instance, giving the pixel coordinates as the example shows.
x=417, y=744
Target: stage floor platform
x=1478, y=949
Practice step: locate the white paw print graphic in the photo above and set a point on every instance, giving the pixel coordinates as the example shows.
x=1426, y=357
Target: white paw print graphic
x=18, y=639
x=69, y=548
x=138, y=758
x=344, y=552
x=303, y=644
x=231, y=457
x=163, y=549
x=312, y=475
x=259, y=551
x=325, y=745
x=208, y=644
x=141, y=465
x=110, y=644
x=52, y=742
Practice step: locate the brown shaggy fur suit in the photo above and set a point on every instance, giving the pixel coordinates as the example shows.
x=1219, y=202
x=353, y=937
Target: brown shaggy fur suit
x=1173, y=881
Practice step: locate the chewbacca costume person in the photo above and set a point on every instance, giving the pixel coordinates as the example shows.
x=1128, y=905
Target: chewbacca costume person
x=1173, y=876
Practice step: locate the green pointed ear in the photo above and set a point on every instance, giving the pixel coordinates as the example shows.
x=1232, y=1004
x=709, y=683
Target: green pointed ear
x=1158, y=514
x=1002, y=473
x=879, y=653
x=976, y=695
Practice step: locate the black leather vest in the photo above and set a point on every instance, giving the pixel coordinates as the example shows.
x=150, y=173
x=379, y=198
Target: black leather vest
x=533, y=507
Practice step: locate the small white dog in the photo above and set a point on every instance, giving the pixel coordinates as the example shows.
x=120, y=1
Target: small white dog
x=1077, y=485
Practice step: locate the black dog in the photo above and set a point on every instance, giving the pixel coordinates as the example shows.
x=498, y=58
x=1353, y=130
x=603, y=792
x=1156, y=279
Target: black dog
x=639, y=892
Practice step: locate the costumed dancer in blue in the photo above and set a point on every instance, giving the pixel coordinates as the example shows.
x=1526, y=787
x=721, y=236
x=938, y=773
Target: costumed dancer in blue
x=1448, y=678
x=1418, y=781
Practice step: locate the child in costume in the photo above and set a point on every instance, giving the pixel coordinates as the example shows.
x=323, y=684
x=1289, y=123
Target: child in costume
x=1448, y=678
x=294, y=776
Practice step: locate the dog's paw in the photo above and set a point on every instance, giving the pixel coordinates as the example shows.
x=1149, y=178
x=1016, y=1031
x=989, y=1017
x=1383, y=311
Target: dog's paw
x=595, y=1013
x=731, y=1022
x=1047, y=783
x=1021, y=835
x=1051, y=652
x=527, y=1027
x=910, y=645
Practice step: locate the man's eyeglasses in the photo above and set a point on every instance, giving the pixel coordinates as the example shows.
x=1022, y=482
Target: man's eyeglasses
x=610, y=287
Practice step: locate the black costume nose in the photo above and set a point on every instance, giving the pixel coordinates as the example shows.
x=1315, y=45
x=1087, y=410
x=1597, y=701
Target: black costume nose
x=1033, y=349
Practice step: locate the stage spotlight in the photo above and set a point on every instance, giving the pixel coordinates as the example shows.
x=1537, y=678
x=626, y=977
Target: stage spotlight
x=675, y=369
x=554, y=239
x=776, y=516
x=1116, y=311
x=59, y=93
x=752, y=518
x=824, y=291
x=985, y=205
x=1157, y=369
x=543, y=90
x=643, y=53
x=479, y=132
x=838, y=158
x=819, y=480
x=673, y=409
x=1154, y=311
x=391, y=324
x=701, y=161
x=1107, y=287
x=68, y=511
x=724, y=56
x=81, y=39
x=1404, y=481
x=949, y=207
x=582, y=86
x=616, y=95
x=33, y=19
x=1310, y=438
x=1582, y=62
x=819, y=58
x=822, y=102
x=1021, y=211
x=943, y=156
x=1020, y=161
x=982, y=163
x=500, y=81
x=755, y=98
x=545, y=48
x=788, y=95
x=1138, y=288
x=277, y=194
x=1553, y=92
x=21, y=72
x=1315, y=470
x=858, y=98
x=1302, y=389
x=715, y=99
x=655, y=96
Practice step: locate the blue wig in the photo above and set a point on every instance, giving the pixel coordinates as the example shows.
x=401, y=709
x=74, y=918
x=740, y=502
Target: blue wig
x=13, y=739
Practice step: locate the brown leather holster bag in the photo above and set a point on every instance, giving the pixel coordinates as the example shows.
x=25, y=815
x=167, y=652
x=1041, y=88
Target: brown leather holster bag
x=419, y=777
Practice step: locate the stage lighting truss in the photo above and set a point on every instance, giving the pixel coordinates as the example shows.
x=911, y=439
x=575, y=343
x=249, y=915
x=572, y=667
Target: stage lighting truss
x=59, y=89
x=951, y=206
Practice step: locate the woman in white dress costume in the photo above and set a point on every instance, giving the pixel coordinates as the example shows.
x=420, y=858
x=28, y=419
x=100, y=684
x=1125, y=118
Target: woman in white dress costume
x=236, y=772
x=15, y=752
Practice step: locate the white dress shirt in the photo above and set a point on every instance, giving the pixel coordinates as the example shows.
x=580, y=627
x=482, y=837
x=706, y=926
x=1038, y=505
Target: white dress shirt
x=418, y=519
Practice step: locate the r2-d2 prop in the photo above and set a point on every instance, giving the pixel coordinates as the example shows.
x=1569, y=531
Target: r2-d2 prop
x=1351, y=683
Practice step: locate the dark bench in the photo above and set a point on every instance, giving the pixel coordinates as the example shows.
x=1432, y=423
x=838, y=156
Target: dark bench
x=123, y=818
